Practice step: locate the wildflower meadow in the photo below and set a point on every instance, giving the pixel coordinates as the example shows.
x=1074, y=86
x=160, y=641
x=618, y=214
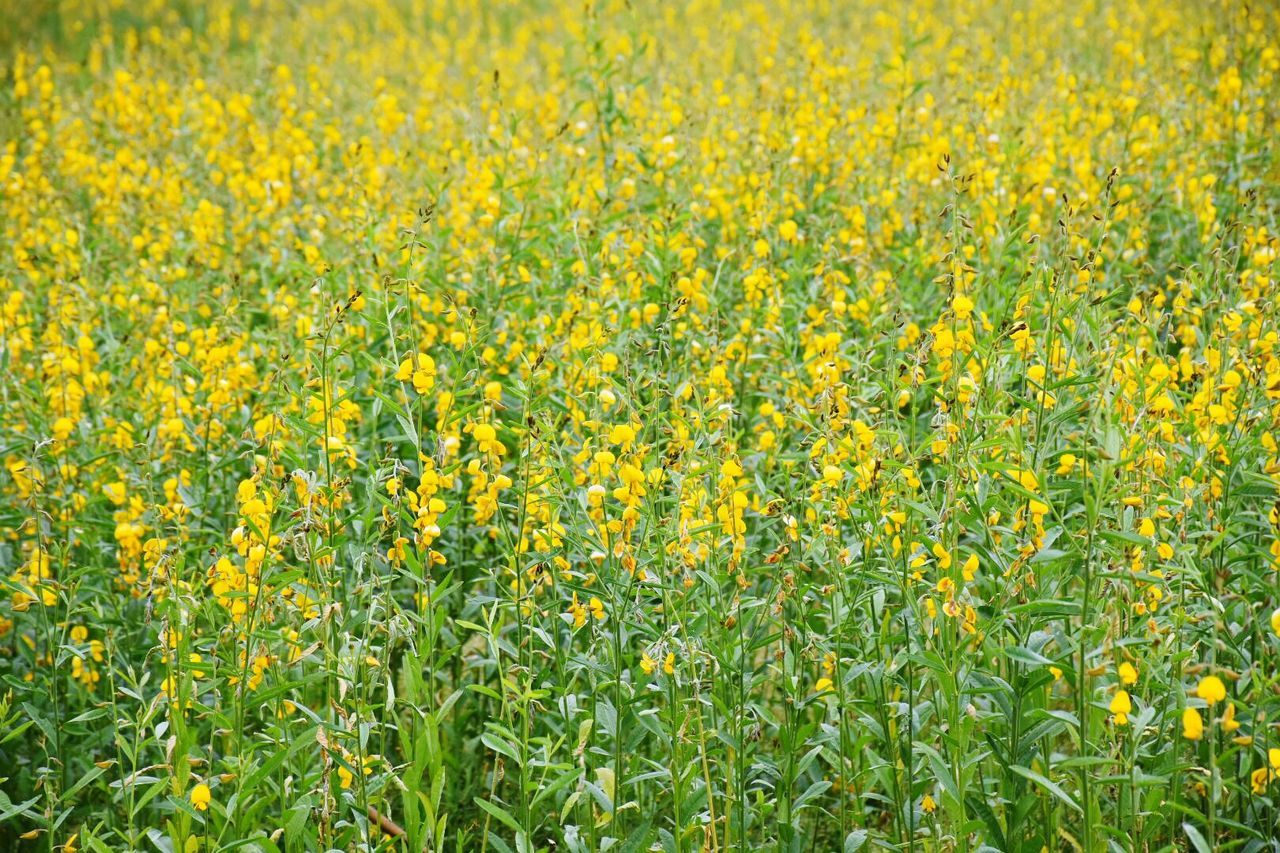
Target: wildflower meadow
x=707, y=425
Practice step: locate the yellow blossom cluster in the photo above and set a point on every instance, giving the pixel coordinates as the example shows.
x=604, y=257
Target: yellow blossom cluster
x=688, y=426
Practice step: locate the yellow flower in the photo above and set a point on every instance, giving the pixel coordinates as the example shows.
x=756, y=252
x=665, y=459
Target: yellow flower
x=823, y=685
x=1211, y=689
x=622, y=434
x=1128, y=674
x=487, y=438
x=647, y=663
x=1229, y=722
x=346, y=777
x=578, y=612
x=927, y=805
x=422, y=374
x=201, y=796
x=1192, y=725
x=1121, y=707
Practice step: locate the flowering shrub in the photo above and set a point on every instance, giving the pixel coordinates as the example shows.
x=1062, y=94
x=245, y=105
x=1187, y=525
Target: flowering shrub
x=621, y=425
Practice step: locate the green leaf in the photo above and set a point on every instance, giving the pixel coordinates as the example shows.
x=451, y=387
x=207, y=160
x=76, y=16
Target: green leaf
x=1051, y=787
x=854, y=840
x=1196, y=839
x=502, y=815
x=17, y=809
x=81, y=782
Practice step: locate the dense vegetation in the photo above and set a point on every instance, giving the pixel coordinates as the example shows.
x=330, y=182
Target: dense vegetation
x=639, y=426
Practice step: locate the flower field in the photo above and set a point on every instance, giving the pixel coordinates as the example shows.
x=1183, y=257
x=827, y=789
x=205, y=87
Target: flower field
x=710, y=425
